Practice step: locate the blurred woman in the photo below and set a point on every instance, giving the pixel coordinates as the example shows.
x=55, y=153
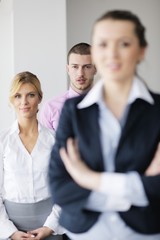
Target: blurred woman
x=107, y=176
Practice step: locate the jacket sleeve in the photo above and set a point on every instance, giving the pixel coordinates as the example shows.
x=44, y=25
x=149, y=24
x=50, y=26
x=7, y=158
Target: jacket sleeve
x=65, y=192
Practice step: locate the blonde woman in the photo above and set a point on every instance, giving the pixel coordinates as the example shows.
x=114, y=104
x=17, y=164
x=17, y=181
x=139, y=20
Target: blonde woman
x=25, y=207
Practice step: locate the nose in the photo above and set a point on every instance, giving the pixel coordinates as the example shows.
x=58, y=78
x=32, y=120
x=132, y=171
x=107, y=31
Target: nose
x=24, y=100
x=112, y=51
x=80, y=71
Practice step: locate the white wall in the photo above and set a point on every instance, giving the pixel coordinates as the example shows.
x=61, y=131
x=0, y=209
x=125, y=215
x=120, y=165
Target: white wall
x=82, y=14
x=6, y=61
x=40, y=41
x=33, y=39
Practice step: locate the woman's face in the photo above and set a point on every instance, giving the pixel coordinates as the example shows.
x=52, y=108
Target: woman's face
x=116, y=49
x=26, y=101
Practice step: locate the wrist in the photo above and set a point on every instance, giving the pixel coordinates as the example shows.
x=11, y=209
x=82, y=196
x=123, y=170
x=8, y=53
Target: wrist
x=93, y=181
x=50, y=231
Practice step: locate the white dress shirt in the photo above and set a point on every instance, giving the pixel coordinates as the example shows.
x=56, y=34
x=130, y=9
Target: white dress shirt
x=120, y=193
x=23, y=176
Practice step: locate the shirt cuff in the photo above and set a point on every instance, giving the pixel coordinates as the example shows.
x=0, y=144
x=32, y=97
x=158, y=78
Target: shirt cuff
x=135, y=190
x=113, y=185
x=53, y=221
x=123, y=190
x=7, y=229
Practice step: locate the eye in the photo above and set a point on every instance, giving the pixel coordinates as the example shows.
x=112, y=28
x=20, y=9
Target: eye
x=102, y=44
x=125, y=44
x=32, y=95
x=17, y=96
x=74, y=66
x=88, y=66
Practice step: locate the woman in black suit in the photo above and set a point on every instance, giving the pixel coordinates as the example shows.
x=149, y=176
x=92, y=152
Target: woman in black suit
x=104, y=172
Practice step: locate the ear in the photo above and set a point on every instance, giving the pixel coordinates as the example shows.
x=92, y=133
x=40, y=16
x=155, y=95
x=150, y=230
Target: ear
x=142, y=54
x=40, y=100
x=67, y=68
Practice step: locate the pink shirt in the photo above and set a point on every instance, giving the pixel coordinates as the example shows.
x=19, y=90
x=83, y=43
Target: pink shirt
x=50, y=112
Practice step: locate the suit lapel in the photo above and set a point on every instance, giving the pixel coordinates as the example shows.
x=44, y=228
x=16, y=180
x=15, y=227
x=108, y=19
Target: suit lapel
x=92, y=134
x=136, y=111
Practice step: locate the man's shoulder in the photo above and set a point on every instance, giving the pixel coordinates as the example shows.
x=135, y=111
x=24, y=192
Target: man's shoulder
x=74, y=100
x=57, y=99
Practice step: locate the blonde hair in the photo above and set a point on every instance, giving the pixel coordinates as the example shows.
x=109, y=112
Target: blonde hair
x=22, y=78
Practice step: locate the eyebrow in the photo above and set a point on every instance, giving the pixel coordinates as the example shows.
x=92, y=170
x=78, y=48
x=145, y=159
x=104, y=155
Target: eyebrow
x=26, y=92
x=87, y=64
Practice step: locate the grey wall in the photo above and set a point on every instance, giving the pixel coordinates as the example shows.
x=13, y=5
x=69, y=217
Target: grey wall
x=36, y=35
x=82, y=14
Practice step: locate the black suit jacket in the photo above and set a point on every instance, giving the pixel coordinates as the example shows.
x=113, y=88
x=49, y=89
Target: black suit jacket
x=139, y=139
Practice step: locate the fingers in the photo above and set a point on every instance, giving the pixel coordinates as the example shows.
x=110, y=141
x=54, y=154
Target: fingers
x=64, y=156
x=71, y=153
x=72, y=149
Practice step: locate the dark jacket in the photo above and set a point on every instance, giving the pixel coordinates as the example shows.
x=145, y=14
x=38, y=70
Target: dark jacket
x=139, y=139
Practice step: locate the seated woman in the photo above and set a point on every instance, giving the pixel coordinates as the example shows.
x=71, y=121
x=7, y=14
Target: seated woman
x=26, y=210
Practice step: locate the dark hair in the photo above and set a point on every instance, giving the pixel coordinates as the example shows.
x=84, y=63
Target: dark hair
x=127, y=16
x=80, y=48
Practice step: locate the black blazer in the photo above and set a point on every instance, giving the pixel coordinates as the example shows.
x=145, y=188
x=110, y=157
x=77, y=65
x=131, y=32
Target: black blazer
x=139, y=139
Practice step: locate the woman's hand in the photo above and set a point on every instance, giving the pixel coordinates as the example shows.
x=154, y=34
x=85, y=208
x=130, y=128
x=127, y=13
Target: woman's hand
x=18, y=235
x=40, y=233
x=76, y=167
x=154, y=167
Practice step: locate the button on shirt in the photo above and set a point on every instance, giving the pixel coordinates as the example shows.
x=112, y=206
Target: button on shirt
x=120, y=193
x=23, y=176
x=50, y=112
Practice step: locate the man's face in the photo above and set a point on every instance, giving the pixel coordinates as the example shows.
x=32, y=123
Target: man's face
x=81, y=72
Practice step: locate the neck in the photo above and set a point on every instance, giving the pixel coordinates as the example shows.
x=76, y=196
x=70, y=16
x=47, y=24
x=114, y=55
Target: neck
x=117, y=92
x=28, y=126
x=116, y=96
x=81, y=91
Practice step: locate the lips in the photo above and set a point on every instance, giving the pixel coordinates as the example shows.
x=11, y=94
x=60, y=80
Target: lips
x=24, y=109
x=81, y=81
x=113, y=66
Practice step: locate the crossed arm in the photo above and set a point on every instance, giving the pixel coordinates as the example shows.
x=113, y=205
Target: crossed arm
x=91, y=180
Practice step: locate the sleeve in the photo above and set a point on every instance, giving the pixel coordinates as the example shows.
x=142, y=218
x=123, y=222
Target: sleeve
x=118, y=192
x=7, y=227
x=65, y=192
x=151, y=186
x=53, y=221
x=46, y=116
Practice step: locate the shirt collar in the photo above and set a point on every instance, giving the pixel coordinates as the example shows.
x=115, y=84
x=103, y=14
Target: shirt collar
x=72, y=93
x=15, y=127
x=138, y=90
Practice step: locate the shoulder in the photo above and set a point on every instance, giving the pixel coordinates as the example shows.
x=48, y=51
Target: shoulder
x=46, y=134
x=4, y=136
x=74, y=100
x=53, y=105
x=46, y=131
x=58, y=99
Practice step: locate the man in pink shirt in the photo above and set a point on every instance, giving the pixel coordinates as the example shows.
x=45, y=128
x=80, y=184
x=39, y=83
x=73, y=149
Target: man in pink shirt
x=81, y=72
